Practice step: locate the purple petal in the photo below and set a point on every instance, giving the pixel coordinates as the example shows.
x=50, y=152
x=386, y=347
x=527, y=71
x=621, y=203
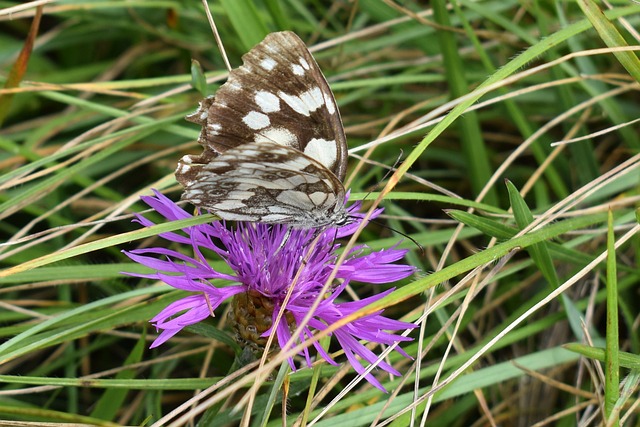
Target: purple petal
x=164, y=336
x=165, y=206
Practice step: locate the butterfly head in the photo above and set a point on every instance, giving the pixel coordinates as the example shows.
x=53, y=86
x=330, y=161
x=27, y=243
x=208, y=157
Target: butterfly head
x=335, y=217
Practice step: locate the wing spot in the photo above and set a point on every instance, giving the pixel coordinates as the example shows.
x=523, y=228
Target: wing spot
x=313, y=98
x=304, y=64
x=228, y=205
x=326, y=152
x=297, y=70
x=280, y=136
x=214, y=128
x=250, y=153
x=186, y=160
x=292, y=181
x=295, y=103
x=319, y=198
x=268, y=64
x=300, y=162
x=306, y=102
x=256, y=120
x=232, y=85
x=219, y=164
x=240, y=195
x=329, y=102
x=268, y=102
x=278, y=209
x=231, y=216
x=293, y=198
x=274, y=218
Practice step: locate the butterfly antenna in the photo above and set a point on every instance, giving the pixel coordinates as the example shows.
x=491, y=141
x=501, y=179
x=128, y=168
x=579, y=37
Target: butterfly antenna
x=386, y=175
x=415, y=242
x=214, y=29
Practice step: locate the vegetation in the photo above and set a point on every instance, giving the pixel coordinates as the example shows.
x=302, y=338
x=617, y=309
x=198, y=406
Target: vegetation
x=501, y=136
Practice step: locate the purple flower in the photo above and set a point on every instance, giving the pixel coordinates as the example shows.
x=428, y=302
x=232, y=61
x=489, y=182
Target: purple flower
x=264, y=260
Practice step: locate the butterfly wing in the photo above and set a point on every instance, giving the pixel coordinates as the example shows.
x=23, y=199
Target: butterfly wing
x=279, y=95
x=269, y=183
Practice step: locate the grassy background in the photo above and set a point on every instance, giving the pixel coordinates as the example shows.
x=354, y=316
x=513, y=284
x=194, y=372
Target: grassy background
x=466, y=94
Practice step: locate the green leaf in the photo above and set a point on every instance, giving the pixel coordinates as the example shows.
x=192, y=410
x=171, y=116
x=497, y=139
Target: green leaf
x=198, y=79
x=488, y=226
x=539, y=252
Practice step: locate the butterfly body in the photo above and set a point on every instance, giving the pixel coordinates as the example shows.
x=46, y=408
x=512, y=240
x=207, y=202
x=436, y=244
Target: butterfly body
x=274, y=145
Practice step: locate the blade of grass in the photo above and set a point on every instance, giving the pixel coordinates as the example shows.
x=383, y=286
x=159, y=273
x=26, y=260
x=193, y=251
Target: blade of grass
x=246, y=20
x=279, y=15
x=626, y=360
x=611, y=36
x=276, y=387
x=538, y=252
x=107, y=242
x=612, y=369
x=39, y=413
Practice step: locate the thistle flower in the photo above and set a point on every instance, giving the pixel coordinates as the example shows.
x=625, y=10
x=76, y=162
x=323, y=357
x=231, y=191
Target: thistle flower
x=265, y=260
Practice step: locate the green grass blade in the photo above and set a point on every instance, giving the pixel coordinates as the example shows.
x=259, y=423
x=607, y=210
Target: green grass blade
x=246, y=20
x=612, y=369
x=611, y=36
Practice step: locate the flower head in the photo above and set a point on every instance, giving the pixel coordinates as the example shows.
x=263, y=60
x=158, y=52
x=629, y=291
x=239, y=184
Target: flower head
x=265, y=261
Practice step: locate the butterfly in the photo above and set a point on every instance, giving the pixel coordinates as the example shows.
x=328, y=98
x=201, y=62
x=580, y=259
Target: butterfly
x=274, y=145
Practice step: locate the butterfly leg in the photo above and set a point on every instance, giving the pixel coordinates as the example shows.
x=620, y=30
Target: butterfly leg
x=284, y=240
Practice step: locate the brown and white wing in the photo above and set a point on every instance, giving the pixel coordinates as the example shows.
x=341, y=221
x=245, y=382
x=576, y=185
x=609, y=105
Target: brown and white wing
x=279, y=95
x=269, y=183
